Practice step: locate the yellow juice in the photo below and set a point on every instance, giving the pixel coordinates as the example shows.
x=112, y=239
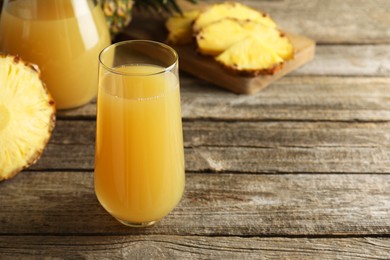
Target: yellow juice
x=64, y=37
x=139, y=162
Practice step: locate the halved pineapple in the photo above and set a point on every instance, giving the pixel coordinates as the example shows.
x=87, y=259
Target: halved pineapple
x=180, y=27
x=233, y=10
x=250, y=57
x=27, y=115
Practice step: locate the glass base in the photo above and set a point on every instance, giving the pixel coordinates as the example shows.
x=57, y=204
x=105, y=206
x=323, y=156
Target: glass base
x=137, y=225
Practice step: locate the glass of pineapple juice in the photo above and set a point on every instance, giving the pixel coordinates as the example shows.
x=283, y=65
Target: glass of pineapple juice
x=64, y=38
x=139, y=157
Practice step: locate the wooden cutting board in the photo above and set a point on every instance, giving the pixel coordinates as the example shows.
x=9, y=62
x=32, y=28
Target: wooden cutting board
x=151, y=27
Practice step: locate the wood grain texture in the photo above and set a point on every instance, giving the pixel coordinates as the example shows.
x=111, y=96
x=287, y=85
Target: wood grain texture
x=349, y=60
x=242, y=159
x=295, y=98
x=260, y=147
x=214, y=204
x=291, y=98
x=191, y=247
x=261, y=134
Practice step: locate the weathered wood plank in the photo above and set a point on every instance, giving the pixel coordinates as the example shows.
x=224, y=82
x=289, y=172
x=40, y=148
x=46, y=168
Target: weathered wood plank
x=243, y=159
x=285, y=134
x=252, y=147
x=261, y=134
x=349, y=60
x=291, y=98
x=306, y=98
x=289, y=160
x=332, y=21
x=191, y=247
x=214, y=204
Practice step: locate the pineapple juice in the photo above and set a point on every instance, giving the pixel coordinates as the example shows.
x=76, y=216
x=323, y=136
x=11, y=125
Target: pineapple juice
x=139, y=163
x=64, y=37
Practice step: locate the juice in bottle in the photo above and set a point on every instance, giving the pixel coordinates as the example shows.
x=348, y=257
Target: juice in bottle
x=64, y=37
x=139, y=163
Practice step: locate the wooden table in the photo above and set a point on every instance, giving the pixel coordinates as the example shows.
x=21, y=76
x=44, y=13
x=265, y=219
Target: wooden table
x=299, y=170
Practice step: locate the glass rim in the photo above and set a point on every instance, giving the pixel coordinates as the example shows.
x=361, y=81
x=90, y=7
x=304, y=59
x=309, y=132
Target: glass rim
x=163, y=69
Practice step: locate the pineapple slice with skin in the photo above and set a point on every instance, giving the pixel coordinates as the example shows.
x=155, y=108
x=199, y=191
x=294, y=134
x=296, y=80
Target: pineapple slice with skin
x=180, y=27
x=245, y=41
x=251, y=57
x=217, y=37
x=27, y=115
x=233, y=10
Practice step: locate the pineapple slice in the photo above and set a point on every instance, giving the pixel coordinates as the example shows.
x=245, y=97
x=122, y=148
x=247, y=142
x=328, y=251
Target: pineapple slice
x=250, y=57
x=242, y=39
x=27, y=115
x=233, y=10
x=218, y=36
x=215, y=38
x=179, y=27
x=272, y=38
x=272, y=48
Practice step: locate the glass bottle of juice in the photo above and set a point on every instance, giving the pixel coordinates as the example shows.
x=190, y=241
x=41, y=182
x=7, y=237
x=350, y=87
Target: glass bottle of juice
x=64, y=38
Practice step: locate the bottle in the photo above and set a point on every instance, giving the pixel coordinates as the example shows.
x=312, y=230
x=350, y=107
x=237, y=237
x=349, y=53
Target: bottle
x=64, y=38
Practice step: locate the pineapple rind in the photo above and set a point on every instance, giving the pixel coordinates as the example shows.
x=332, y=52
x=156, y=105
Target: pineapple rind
x=31, y=116
x=231, y=10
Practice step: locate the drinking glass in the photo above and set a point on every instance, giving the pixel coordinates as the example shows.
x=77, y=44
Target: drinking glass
x=139, y=158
